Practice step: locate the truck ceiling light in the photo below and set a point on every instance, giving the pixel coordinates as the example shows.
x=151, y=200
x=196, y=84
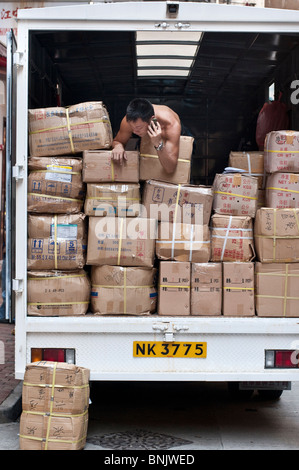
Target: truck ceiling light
x=166, y=53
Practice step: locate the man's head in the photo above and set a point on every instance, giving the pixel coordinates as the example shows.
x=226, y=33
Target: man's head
x=139, y=114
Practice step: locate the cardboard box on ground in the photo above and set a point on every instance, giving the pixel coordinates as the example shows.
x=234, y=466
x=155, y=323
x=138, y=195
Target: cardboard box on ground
x=55, y=402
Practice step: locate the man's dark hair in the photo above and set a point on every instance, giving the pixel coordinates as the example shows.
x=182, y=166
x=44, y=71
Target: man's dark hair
x=140, y=108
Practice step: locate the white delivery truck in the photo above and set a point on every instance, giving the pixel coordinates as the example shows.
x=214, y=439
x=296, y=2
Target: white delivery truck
x=214, y=64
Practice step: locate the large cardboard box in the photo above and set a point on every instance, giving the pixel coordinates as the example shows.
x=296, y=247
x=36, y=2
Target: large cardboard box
x=151, y=168
x=56, y=387
x=57, y=293
x=120, y=199
x=53, y=182
x=206, y=289
x=282, y=190
x=183, y=242
x=51, y=432
x=251, y=162
x=119, y=241
x=55, y=401
x=61, y=226
x=62, y=131
x=282, y=151
x=276, y=235
x=46, y=203
x=231, y=238
x=121, y=290
x=238, y=289
x=277, y=289
x=55, y=185
x=177, y=203
x=235, y=194
x=174, y=288
x=56, y=241
x=98, y=167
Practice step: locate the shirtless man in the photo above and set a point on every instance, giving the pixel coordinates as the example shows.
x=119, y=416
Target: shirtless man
x=159, y=122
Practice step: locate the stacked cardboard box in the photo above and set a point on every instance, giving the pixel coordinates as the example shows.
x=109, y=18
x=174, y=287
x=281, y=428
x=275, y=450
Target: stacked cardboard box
x=55, y=185
x=206, y=289
x=276, y=230
x=119, y=199
x=235, y=194
x=252, y=164
x=55, y=401
x=281, y=151
x=58, y=293
x=56, y=241
x=121, y=290
x=121, y=244
x=98, y=167
x=57, y=231
x=231, y=238
x=151, y=168
x=235, y=206
x=199, y=238
x=277, y=288
x=183, y=212
x=63, y=131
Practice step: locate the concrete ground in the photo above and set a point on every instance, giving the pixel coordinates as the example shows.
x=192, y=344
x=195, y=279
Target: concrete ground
x=181, y=417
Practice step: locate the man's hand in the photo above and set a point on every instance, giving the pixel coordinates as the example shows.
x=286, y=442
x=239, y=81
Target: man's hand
x=155, y=133
x=118, y=154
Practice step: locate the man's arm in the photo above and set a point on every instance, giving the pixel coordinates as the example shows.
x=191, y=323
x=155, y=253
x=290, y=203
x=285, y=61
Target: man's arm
x=119, y=142
x=167, y=148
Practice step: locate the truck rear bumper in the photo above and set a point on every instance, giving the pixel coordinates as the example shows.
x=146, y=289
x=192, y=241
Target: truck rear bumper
x=235, y=346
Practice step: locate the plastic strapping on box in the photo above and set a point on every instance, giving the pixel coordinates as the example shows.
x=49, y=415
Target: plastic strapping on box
x=226, y=236
x=69, y=130
x=55, y=240
x=282, y=151
x=119, y=241
x=54, y=277
x=93, y=121
x=54, y=197
x=114, y=198
x=51, y=404
x=112, y=170
x=241, y=196
x=58, y=303
x=283, y=189
x=238, y=288
x=57, y=171
x=249, y=163
x=175, y=286
x=147, y=155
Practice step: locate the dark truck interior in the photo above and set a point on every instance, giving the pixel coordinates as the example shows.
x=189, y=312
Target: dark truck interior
x=218, y=100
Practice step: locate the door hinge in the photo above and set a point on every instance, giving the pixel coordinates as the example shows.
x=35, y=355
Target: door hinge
x=18, y=285
x=18, y=59
x=18, y=172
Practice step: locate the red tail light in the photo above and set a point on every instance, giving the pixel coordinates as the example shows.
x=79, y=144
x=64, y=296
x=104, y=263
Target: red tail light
x=53, y=355
x=282, y=359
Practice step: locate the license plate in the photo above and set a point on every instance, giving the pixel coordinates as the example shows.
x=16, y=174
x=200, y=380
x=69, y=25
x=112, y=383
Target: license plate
x=175, y=349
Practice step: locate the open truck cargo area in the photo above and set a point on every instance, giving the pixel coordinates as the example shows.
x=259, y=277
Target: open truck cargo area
x=218, y=77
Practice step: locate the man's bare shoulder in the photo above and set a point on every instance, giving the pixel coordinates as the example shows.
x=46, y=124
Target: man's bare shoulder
x=166, y=113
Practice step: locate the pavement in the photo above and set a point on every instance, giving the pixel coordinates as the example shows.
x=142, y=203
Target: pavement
x=10, y=388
